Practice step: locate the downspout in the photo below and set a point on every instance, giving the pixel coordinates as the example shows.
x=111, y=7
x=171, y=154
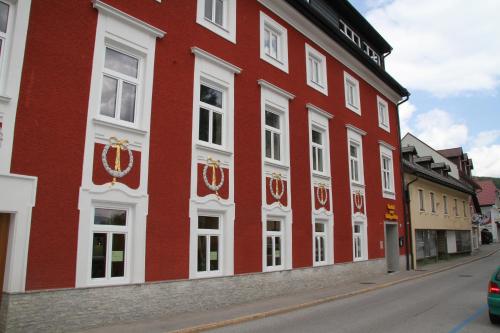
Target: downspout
x=405, y=98
x=408, y=232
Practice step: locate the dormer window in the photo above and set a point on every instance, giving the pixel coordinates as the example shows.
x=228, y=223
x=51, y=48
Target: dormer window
x=349, y=33
x=372, y=54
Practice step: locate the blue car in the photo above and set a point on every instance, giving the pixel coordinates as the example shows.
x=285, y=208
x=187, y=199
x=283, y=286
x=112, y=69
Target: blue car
x=494, y=297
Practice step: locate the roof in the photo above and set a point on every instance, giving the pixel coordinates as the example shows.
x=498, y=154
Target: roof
x=451, y=152
x=332, y=30
x=488, y=194
x=436, y=177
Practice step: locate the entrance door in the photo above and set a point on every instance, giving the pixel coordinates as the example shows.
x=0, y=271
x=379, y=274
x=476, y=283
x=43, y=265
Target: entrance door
x=4, y=237
x=392, y=247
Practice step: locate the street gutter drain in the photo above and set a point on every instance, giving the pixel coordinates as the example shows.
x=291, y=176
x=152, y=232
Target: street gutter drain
x=367, y=283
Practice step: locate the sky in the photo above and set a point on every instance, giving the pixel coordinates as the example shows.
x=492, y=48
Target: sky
x=447, y=54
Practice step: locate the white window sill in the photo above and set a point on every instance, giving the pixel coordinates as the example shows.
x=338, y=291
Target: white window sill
x=107, y=282
x=207, y=275
x=217, y=29
x=389, y=195
x=278, y=165
x=384, y=127
x=211, y=148
x=353, y=108
x=275, y=62
x=318, y=87
x=357, y=184
x=322, y=175
x=319, y=264
x=359, y=259
x=274, y=268
x=118, y=126
x=5, y=99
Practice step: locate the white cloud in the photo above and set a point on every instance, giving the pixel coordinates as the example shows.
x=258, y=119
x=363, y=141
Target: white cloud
x=444, y=47
x=406, y=111
x=486, y=160
x=486, y=138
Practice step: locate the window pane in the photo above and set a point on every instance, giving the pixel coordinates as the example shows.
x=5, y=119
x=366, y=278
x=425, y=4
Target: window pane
x=203, y=126
x=208, y=222
x=208, y=9
x=4, y=16
x=267, y=39
x=214, y=253
x=108, y=96
x=217, y=128
x=99, y=256
x=219, y=11
x=277, y=250
x=121, y=63
x=202, y=253
x=273, y=225
x=128, y=102
x=269, y=251
x=353, y=151
x=322, y=248
x=319, y=227
x=276, y=146
x=272, y=119
x=320, y=160
x=211, y=96
x=104, y=216
x=118, y=255
x=316, y=249
x=274, y=46
x=268, y=144
x=316, y=137
x=315, y=166
x=357, y=228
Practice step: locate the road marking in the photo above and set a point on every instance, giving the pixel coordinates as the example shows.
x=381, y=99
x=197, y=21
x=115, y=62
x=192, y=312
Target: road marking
x=467, y=321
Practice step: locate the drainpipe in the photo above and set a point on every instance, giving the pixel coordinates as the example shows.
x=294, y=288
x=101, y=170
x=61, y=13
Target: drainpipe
x=408, y=222
x=405, y=98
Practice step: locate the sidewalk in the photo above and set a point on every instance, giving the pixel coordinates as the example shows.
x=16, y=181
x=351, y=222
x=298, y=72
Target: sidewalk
x=200, y=321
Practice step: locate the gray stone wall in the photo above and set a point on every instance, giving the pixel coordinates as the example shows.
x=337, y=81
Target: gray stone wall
x=75, y=309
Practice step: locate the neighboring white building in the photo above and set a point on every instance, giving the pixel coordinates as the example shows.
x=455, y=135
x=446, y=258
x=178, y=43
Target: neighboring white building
x=489, y=199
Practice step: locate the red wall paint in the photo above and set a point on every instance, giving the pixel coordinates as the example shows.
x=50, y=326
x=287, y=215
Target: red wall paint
x=100, y=175
x=51, y=121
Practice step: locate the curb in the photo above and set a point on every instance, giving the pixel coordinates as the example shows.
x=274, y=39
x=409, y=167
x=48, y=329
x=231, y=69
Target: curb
x=261, y=315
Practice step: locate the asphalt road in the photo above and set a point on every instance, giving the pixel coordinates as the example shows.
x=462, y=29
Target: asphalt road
x=451, y=301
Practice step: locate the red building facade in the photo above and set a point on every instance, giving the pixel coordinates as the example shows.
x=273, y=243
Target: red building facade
x=251, y=138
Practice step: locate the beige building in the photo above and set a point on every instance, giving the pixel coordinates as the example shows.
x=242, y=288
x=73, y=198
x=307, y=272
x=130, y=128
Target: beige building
x=438, y=209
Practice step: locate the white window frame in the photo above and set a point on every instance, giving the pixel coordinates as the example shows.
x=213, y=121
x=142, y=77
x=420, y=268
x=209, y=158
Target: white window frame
x=362, y=241
x=421, y=200
x=372, y=54
x=210, y=232
x=350, y=81
x=317, y=147
x=273, y=131
x=387, y=175
x=432, y=199
x=317, y=235
x=6, y=42
x=312, y=57
x=281, y=60
x=121, y=78
x=319, y=121
x=445, y=204
x=357, y=160
x=383, y=114
x=228, y=28
x=110, y=230
x=346, y=31
x=273, y=235
x=213, y=109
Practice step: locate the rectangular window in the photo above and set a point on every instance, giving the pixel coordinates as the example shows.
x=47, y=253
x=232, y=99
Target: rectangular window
x=465, y=208
x=274, y=243
x=317, y=150
x=219, y=16
x=358, y=241
x=354, y=162
x=383, y=114
x=273, y=133
x=316, y=70
x=320, y=243
x=372, y=54
x=433, y=203
x=349, y=33
x=109, y=238
x=273, y=42
x=421, y=200
x=120, y=83
x=208, y=244
x=387, y=172
x=445, y=204
x=4, y=24
x=455, y=206
x=352, y=98
x=211, y=117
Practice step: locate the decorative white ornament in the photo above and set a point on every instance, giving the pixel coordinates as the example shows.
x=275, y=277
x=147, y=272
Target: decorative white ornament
x=117, y=172
x=215, y=165
x=322, y=199
x=278, y=194
x=358, y=200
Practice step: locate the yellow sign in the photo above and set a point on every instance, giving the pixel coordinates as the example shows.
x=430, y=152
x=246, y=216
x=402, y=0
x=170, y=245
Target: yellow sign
x=391, y=215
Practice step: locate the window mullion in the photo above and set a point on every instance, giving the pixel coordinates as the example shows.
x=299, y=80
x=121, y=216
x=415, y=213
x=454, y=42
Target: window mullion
x=118, y=106
x=109, y=247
